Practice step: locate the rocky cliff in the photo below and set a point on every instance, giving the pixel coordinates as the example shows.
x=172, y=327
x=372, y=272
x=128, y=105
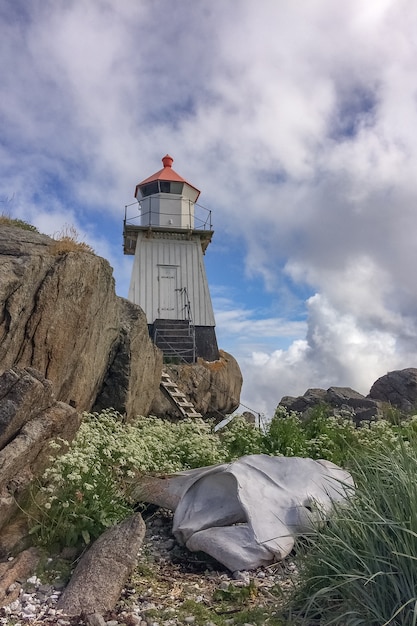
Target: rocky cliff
x=60, y=315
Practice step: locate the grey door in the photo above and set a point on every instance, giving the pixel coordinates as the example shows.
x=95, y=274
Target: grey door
x=168, y=296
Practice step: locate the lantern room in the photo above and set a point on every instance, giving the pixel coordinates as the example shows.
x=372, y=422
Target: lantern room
x=166, y=199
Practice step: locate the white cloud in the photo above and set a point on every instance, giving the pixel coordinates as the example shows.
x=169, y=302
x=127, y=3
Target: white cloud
x=338, y=351
x=297, y=120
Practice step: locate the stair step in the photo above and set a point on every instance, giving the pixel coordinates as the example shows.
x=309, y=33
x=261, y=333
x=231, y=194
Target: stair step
x=172, y=331
x=185, y=407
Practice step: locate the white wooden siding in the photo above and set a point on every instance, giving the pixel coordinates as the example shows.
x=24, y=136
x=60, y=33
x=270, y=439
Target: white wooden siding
x=153, y=291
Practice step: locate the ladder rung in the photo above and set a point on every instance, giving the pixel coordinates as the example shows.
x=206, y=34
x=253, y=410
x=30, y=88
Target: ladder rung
x=186, y=408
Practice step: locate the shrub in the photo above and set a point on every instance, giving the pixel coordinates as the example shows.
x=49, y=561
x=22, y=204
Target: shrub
x=240, y=438
x=361, y=567
x=87, y=489
x=285, y=435
x=6, y=220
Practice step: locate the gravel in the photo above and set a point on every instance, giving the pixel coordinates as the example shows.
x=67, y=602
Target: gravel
x=167, y=579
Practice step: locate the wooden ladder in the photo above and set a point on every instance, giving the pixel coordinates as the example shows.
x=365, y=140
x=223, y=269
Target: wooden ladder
x=186, y=408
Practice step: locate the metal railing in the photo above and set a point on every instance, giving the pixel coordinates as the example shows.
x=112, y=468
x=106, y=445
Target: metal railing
x=187, y=311
x=196, y=212
x=186, y=316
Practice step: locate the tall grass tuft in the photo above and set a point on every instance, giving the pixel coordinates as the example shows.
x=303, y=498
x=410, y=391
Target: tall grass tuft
x=361, y=568
x=67, y=240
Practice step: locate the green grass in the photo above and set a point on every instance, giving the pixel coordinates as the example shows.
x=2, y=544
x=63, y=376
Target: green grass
x=361, y=568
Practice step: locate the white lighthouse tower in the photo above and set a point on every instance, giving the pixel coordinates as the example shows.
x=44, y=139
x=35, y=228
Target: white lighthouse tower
x=169, y=235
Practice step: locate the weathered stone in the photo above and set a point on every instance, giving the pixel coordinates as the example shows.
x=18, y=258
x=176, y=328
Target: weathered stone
x=339, y=398
x=95, y=619
x=32, y=419
x=17, y=570
x=59, y=314
x=99, y=577
x=132, y=379
x=312, y=397
x=249, y=417
x=399, y=388
x=213, y=388
x=23, y=395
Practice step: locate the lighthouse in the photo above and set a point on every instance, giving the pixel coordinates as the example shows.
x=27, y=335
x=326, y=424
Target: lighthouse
x=168, y=234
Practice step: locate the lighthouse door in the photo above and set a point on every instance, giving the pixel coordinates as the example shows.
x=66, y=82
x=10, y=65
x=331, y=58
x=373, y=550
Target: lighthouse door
x=168, y=296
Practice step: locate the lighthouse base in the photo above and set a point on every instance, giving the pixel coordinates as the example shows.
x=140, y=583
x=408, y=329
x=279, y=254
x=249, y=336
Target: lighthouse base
x=183, y=343
x=206, y=343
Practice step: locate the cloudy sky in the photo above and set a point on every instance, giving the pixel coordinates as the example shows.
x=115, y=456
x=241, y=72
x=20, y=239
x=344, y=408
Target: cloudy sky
x=296, y=120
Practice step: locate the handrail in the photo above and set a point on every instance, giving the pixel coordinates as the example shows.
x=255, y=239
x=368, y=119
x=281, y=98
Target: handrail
x=172, y=350
x=188, y=312
x=202, y=216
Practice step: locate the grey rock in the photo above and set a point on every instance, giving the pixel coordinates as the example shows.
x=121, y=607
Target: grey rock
x=60, y=315
x=302, y=403
x=135, y=366
x=399, y=388
x=33, y=419
x=99, y=577
x=212, y=387
x=24, y=394
x=16, y=570
x=95, y=619
x=339, y=398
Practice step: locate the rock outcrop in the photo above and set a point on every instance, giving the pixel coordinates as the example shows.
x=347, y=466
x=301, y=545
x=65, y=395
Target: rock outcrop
x=399, y=388
x=60, y=315
x=30, y=418
x=344, y=399
x=135, y=365
x=213, y=388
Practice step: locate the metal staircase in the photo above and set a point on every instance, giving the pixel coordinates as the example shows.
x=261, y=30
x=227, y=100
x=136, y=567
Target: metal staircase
x=176, y=340
x=176, y=337
x=185, y=407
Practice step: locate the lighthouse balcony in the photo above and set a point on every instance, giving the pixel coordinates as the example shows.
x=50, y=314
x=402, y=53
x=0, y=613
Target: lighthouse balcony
x=168, y=218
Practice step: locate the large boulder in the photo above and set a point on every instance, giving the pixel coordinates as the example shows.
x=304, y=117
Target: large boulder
x=30, y=419
x=59, y=314
x=135, y=365
x=213, y=387
x=399, y=388
x=340, y=399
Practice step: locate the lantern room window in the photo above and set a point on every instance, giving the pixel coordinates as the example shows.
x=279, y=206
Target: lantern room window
x=161, y=186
